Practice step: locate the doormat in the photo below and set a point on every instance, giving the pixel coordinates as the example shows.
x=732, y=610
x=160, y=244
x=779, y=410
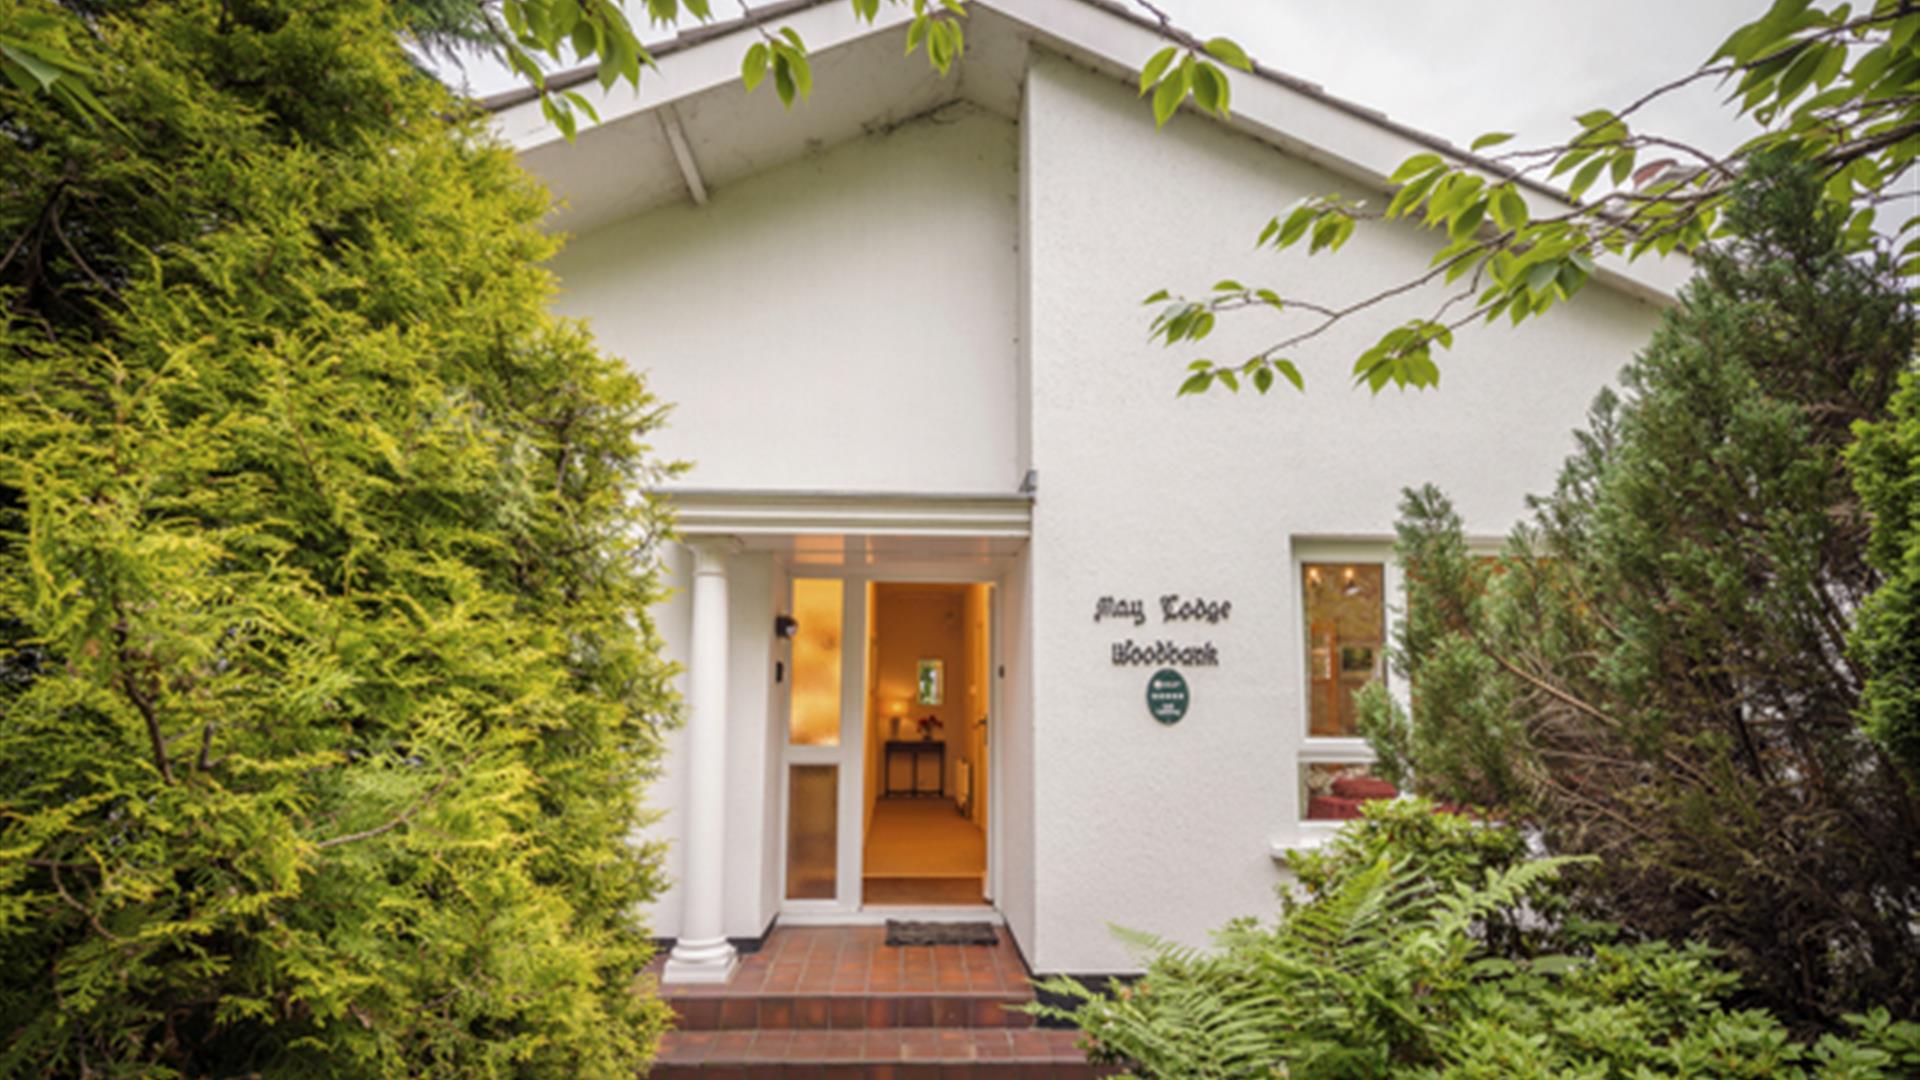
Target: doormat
x=941, y=933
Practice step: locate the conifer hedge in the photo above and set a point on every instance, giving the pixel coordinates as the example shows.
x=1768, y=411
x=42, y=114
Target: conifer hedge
x=327, y=685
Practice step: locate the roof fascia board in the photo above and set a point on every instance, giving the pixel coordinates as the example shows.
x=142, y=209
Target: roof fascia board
x=709, y=61
x=1349, y=140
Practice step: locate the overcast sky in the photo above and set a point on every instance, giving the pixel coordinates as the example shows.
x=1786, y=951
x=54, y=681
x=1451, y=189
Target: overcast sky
x=1458, y=68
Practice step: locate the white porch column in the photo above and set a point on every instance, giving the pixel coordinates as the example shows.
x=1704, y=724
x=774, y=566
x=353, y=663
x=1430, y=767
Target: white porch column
x=702, y=953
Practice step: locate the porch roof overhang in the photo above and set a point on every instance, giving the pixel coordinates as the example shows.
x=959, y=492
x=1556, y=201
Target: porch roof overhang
x=870, y=522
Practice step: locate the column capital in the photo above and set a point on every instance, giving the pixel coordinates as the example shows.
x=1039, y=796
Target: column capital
x=710, y=552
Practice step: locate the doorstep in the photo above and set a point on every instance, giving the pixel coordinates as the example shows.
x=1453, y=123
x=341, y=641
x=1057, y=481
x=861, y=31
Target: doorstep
x=838, y=1001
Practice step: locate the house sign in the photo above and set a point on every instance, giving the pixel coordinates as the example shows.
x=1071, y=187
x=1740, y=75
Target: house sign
x=1164, y=652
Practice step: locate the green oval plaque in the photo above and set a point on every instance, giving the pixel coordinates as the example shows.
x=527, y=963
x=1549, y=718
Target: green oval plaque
x=1167, y=696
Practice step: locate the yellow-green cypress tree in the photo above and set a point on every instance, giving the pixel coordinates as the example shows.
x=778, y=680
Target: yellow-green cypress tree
x=327, y=685
x=1886, y=639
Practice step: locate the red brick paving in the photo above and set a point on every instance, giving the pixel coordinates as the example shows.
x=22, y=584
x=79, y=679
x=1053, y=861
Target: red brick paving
x=857, y=960
x=838, y=1001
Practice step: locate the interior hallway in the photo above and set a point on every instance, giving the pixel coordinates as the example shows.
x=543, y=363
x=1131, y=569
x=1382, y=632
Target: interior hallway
x=922, y=851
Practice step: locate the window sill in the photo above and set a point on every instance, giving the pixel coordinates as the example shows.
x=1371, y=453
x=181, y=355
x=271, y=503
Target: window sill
x=1307, y=836
x=1335, y=748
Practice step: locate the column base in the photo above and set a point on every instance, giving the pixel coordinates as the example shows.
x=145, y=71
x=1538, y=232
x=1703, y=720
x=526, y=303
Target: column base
x=701, y=962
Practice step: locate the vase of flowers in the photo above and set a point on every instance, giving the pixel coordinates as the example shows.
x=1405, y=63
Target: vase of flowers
x=928, y=724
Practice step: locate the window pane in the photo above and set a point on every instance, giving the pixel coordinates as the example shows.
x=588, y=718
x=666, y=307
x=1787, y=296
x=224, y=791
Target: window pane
x=813, y=714
x=1346, y=638
x=812, y=831
x=1333, y=791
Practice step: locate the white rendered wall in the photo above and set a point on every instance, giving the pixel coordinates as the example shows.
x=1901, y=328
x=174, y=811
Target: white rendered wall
x=1168, y=829
x=748, y=884
x=842, y=322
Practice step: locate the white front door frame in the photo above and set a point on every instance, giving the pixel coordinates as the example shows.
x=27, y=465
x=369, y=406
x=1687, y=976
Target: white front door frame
x=847, y=906
x=867, y=536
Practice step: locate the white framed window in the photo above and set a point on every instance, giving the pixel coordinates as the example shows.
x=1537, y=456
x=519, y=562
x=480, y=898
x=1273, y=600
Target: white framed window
x=1349, y=596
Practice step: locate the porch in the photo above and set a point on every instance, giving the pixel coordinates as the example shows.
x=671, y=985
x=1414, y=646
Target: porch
x=838, y=1001
x=815, y=629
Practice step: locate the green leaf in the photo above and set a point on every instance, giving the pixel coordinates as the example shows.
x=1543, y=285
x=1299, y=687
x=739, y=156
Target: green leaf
x=1167, y=99
x=1221, y=93
x=1414, y=166
x=1196, y=383
x=1541, y=275
x=1206, y=90
x=1450, y=194
x=1509, y=208
x=585, y=38
x=43, y=72
x=1227, y=52
x=783, y=78
x=1491, y=138
x=1467, y=220
x=753, y=66
x=1296, y=225
x=1410, y=194
x=1622, y=166
x=1554, y=965
x=1584, y=179
x=1156, y=67
x=580, y=102
x=1326, y=234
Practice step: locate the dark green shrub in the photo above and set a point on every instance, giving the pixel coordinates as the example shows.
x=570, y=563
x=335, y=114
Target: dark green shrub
x=1657, y=671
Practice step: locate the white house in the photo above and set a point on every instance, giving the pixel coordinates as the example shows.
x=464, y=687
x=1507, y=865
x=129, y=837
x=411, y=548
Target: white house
x=939, y=471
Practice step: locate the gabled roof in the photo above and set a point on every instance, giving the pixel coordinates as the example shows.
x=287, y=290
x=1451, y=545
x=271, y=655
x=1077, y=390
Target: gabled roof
x=691, y=126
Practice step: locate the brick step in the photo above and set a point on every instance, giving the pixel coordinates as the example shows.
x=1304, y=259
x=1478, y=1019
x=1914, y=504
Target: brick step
x=897, y=1053
x=850, y=1012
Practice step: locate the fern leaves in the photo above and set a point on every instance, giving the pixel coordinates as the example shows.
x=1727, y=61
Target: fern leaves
x=1430, y=948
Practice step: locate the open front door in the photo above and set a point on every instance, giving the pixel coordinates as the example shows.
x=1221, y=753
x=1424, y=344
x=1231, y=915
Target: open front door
x=823, y=747
x=930, y=704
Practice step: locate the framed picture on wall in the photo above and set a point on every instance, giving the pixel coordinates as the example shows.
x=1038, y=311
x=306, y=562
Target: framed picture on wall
x=930, y=678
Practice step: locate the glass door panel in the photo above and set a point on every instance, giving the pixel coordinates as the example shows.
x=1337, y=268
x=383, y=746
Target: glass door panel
x=813, y=816
x=822, y=743
x=813, y=707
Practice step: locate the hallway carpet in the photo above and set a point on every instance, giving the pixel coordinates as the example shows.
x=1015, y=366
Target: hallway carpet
x=923, y=891
x=923, y=838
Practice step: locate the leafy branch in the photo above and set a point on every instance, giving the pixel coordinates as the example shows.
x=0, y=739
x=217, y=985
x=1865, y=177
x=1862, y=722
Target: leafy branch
x=588, y=29
x=1832, y=88
x=34, y=55
x=598, y=31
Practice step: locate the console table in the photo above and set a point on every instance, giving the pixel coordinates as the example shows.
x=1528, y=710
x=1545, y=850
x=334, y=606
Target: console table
x=913, y=750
